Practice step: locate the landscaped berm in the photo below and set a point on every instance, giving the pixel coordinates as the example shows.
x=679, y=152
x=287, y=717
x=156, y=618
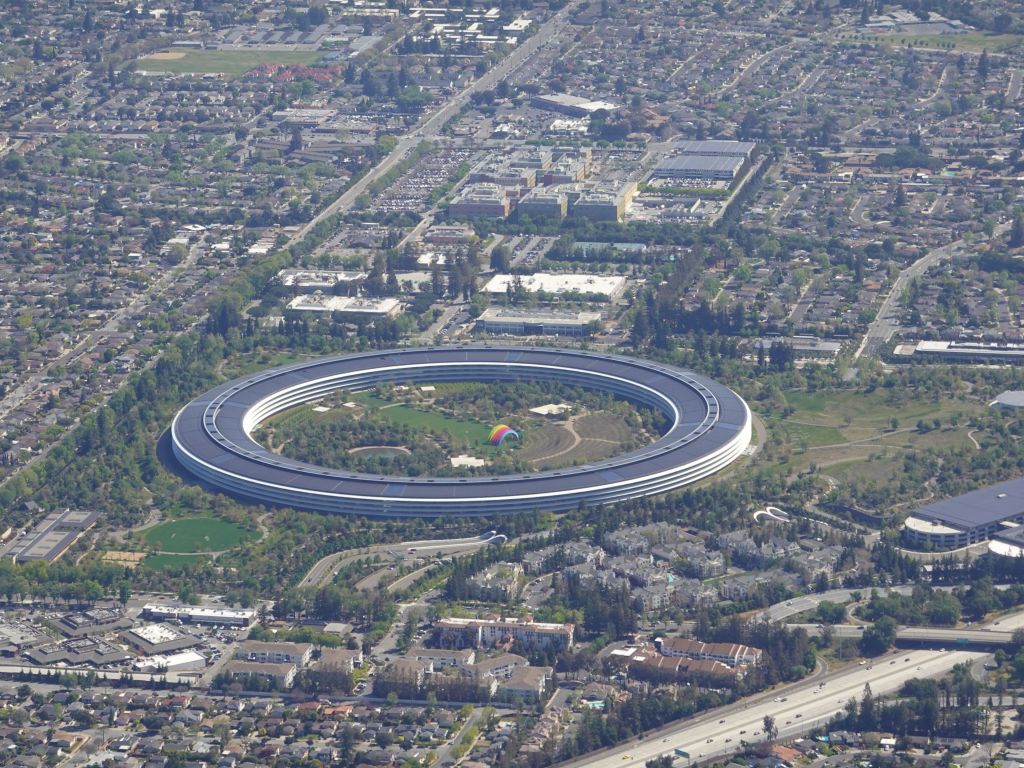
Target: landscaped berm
x=197, y=534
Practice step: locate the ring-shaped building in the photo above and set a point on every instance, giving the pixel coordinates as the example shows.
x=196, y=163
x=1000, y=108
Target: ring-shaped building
x=710, y=427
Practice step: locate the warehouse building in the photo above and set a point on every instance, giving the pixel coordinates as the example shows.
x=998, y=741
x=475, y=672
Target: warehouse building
x=974, y=517
x=185, y=661
x=717, y=148
x=703, y=167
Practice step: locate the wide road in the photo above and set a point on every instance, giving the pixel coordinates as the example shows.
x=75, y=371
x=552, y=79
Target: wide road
x=433, y=126
x=886, y=322
x=796, y=709
x=950, y=637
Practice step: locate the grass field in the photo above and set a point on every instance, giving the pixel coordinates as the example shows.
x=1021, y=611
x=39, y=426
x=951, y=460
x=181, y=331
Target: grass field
x=973, y=41
x=461, y=430
x=197, y=534
x=842, y=430
x=159, y=562
x=232, y=63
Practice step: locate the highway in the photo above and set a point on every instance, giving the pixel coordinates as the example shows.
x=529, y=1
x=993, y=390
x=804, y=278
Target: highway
x=796, y=709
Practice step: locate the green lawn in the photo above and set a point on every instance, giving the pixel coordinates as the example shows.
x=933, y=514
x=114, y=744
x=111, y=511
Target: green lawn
x=159, y=562
x=840, y=430
x=461, y=430
x=197, y=534
x=972, y=41
x=223, y=62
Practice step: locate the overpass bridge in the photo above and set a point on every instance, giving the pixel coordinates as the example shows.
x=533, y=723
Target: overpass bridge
x=926, y=637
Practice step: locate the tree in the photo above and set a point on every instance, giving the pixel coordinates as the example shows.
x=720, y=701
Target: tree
x=983, y=66
x=879, y=637
x=771, y=731
x=1017, y=231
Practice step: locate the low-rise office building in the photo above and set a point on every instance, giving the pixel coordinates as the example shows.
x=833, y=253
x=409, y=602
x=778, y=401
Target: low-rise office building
x=510, y=321
x=968, y=519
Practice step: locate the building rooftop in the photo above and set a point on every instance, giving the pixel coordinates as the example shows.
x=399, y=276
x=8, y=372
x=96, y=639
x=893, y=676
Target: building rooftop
x=982, y=507
x=716, y=147
x=697, y=163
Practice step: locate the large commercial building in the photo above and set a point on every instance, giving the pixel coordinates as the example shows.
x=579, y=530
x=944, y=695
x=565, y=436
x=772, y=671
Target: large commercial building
x=974, y=517
x=709, y=428
x=574, y=106
x=973, y=352
x=354, y=306
x=608, y=287
x=716, y=148
x=701, y=167
x=481, y=200
x=510, y=321
x=51, y=537
x=543, y=203
x=198, y=614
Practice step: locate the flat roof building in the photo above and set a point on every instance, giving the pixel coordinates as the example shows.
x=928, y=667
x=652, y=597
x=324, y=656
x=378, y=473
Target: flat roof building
x=51, y=537
x=716, y=148
x=967, y=519
x=543, y=203
x=322, y=279
x=481, y=200
x=175, y=662
x=199, y=614
x=509, y=321
x=606, y=286
x=804, y=347
x=974, y=352
x=152, y=639
x=361, y=306
x=705, y=167
x=574, y=106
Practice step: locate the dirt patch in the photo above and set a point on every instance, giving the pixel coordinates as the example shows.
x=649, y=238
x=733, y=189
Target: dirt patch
x=167, y=55
x=545, y=443
x=607, y=427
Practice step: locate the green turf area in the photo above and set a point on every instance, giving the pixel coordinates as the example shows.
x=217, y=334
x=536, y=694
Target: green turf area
x=470, y=432
x=224, y=62
x=972, y=41
x=160, y=562
x=197, y=534
x=854, y=434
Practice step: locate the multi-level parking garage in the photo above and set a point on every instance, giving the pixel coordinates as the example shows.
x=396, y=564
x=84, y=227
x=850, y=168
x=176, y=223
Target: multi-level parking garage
x=709, y=428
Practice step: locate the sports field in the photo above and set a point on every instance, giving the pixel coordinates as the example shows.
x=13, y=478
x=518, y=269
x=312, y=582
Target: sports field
x=197, y=534
x=972, y=41
x=233, y=63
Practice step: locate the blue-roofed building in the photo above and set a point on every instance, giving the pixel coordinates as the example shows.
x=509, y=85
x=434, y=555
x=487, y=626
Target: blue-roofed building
x=968, y=519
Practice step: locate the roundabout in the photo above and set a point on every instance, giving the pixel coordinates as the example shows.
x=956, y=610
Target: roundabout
x=709, y=428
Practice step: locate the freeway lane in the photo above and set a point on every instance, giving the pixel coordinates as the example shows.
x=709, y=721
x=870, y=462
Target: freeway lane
x=806, y=705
